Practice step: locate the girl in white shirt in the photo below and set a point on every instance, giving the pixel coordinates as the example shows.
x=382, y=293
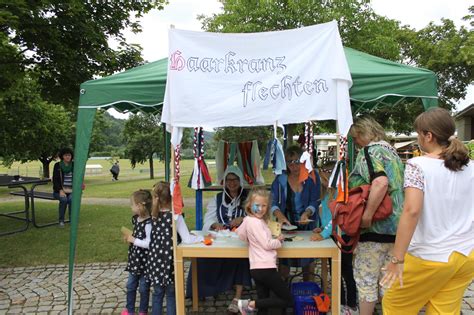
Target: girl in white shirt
x=433, y=259
x=139, y=241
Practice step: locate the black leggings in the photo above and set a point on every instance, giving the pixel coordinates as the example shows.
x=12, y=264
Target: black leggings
x=267, y=280
x=349, y=293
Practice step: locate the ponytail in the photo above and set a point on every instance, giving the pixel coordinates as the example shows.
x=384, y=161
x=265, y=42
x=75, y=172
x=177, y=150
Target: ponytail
x=439, y=122
x=162, y=192
x=455, y=155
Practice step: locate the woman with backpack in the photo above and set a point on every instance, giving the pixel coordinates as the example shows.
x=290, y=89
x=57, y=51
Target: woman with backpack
x=377, y=238
x=433, y=256
x=224, y=212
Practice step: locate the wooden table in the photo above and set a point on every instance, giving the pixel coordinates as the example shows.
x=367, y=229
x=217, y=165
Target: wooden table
x=234, y=248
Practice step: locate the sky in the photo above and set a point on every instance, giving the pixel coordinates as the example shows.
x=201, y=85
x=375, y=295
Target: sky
x=182, y=14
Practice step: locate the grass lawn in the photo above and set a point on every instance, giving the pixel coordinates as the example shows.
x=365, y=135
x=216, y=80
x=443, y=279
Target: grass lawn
x=99, y=237
x=102, y=186
x=99, y=225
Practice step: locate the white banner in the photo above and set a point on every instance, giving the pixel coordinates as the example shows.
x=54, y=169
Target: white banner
x=291, y=76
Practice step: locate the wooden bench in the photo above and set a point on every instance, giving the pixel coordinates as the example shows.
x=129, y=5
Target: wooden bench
x=37, y=195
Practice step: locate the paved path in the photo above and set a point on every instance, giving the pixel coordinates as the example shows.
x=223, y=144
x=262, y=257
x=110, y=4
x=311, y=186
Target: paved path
x=99, y=289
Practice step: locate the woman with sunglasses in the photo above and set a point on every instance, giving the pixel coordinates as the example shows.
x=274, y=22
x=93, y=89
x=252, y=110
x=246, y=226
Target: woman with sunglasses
x=295, y=202
x=224, y=212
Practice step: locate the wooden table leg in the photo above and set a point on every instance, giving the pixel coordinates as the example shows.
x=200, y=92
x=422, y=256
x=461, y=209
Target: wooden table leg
x=180, y=307
x=195, y=284
x=324, y=273
x=336, y=282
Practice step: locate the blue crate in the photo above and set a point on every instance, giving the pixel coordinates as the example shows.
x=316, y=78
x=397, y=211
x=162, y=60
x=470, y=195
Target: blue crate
x=303, y=293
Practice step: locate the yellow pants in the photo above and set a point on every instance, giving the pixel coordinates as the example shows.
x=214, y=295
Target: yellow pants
x=439, y=286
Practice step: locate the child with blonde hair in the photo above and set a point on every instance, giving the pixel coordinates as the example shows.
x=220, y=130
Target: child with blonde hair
x=139, y=240
x=262, y=255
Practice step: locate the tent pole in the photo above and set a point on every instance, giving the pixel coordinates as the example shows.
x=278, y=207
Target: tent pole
x=85, y=121
x=167, y=145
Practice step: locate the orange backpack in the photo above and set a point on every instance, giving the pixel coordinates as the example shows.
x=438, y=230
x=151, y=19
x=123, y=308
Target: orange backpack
x=348, y=215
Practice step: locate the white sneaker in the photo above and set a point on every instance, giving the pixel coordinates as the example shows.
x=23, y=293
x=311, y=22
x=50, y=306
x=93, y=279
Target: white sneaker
x=346, y=310
x=244, y=307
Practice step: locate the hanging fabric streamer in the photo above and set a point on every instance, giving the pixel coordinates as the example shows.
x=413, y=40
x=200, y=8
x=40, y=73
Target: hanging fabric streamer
x=200, y=177
x=339, y=176
x=178, y=203
x=245, y=154
x=306, y=167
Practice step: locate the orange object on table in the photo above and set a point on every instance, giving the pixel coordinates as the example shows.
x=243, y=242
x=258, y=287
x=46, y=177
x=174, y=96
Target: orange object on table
x=207, y=241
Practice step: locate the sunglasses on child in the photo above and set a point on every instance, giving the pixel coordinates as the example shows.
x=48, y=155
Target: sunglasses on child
x=294, y=162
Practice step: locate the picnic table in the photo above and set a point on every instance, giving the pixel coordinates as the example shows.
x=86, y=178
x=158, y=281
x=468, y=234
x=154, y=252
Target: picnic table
x=27, y=186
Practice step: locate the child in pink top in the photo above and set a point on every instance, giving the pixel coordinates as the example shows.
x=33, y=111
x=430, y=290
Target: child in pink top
x=262, y=256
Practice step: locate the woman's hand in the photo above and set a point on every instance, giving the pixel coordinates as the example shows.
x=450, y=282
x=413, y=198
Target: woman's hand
x=236, y=222
x=62, y=193
x=316, y=237
x=304, y=218
x=281, y=237
x=317, y=230
x=281, y=218
x=392, y=273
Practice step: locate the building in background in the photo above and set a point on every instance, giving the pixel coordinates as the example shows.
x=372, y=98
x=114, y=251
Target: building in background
x=464, y=123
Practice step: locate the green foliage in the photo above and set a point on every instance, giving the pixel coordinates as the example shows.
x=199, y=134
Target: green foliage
x=66, y=43
x=32, y=128
x=359, y=26
x=143, y=135
x=47, y=49
x=470, y=147
x=445, y=50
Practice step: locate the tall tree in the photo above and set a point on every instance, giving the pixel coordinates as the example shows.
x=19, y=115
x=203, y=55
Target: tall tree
x=32, y=129
x=143, y=135
x=66, y=43
x=57, y=46
x=446, y=50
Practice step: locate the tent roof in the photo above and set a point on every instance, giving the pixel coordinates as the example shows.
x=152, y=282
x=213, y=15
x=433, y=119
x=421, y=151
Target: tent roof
x=376, y=81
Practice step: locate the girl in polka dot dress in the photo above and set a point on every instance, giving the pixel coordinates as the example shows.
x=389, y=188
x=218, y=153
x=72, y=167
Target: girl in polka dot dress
x=138, y=252
x=160, y=265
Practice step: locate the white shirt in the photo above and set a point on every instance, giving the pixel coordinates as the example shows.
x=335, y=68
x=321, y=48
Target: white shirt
x=183, y=231
x=446, y=223
x=144, y=243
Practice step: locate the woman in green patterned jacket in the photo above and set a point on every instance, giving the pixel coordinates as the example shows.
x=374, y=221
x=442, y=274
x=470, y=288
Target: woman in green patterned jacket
x=377, y=238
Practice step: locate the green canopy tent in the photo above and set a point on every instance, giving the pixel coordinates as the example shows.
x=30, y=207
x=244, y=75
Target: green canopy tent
x=376, y=81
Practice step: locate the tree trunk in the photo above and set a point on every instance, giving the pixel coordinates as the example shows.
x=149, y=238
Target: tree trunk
x=45, y=163
x=152, y=173
x=290, y=133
